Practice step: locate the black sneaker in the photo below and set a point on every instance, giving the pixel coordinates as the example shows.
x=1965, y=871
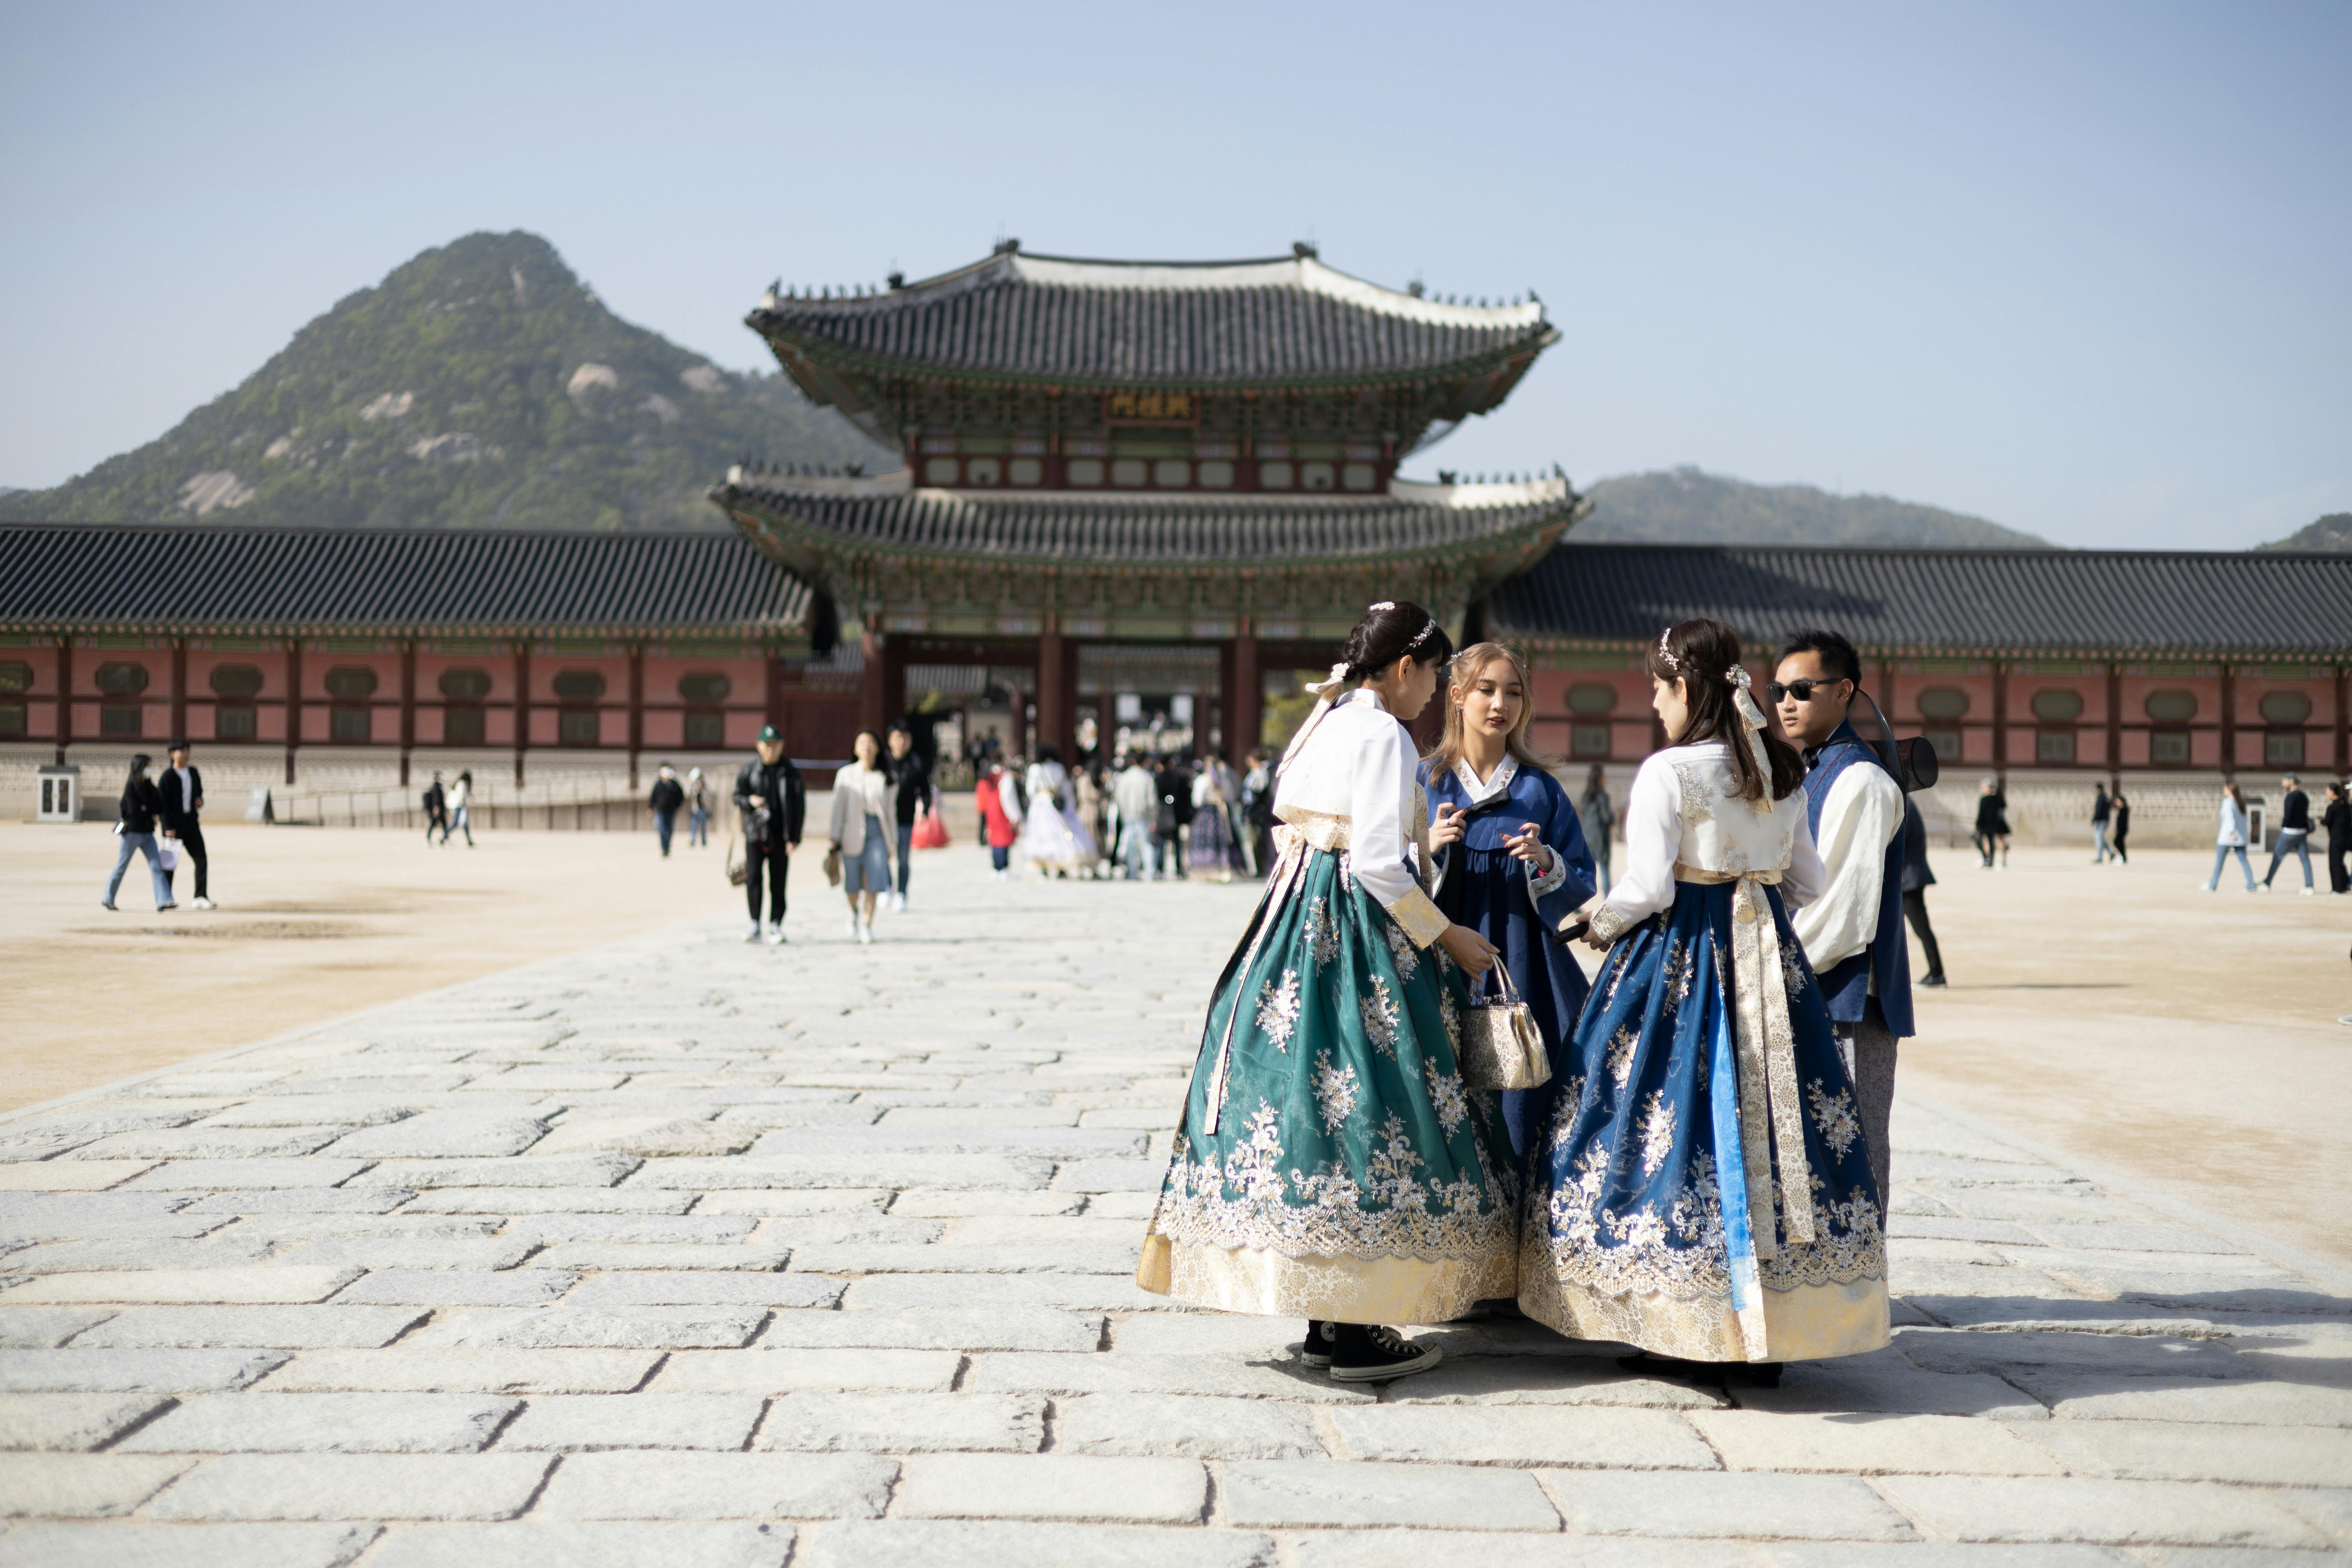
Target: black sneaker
x=1932, y=980
x=1370, y=1354
x=1317, y=1351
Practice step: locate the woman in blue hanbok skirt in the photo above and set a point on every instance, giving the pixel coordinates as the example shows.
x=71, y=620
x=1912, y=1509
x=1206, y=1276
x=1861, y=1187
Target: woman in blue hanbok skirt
x=1513, y=863
x=1704, y=1191
x=1331, y=1164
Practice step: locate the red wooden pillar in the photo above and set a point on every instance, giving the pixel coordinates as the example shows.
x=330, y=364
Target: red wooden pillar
x=522, y=705
x=2343, y=719
x=1053, y=714
x=407, y=707
x=179, y=689
x=2228, y=721
x=2114, y=722
x=64, y=697
x=293, y=704
x=636, y=708
x=2001, y=723
x=1246, y=697
x=873, y=695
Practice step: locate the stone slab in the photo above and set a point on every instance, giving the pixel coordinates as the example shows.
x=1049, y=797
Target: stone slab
x=1111, y=1176
x=1872, y=1446
x=758, y=1170
x=1548, y=1380
x=1077, y=1292
x=1883, y=1382
x=585, y=1255
x=2092, y=1397
x=590, y=1421
x=331, y=1327
x=123, y=1252
x=2121, y=1513
x=222, y=1175
x=81, y=1486
x=769, y=1201
x=1184, y=1426
x=904, y=1423
x=933, y=1203
x=704, y=1287
x=210, y=1144
x=782, y=1372
x=72, y=1423
x=947, y=1328
x=2196, y=1451
x=68, y=1175
x=72, y=1370
x=604, y=1544
x=978, y=1543
x=592, y=1328
x=354, y=1486
x=1037, y=1372
x=655, y=1485
x=1077, y=1488
x=1740, y=1506
x=1588, y=1437
x=1261, y=1494
x=550, y=1200
x=261, y=1283
x=465, y=1370
x=457, y=1288
x=551, y=1170
x=550, y=1228
x=40, y=1328
x=445, y=1135
x=134, y=1545
x=269, y=1422
x=355, y=1200
x=423, y=1252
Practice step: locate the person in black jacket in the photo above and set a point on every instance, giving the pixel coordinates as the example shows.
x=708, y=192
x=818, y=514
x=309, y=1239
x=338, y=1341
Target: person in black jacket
x=436, y=812
x=2338, y=820
x=2294, y=831
x=1916, y=879
x=910, y=791
x=668, y=795
x=2121, y=829
x=1174, y=782
x=1992, y=823
x=181, y=792
x=139, y=809
x=774, y=808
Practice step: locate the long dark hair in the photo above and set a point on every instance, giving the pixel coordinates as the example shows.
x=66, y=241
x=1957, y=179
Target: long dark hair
x=1389, y=630
x=139, y=766
x=1700, y=654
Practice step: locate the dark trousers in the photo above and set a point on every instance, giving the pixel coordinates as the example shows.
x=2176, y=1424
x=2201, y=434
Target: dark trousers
x=1000, y=856
x=906, y=853
x=191, y=844
x=2117, y=843
x=2339, y=879
x=1915, y=909
x=664, y=823
x=773, y=856
x=438, y=818
x=1873, y=1049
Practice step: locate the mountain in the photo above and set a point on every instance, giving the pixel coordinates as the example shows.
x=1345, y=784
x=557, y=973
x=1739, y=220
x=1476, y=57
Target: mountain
x=2333, y=531
x=481, y=383
x=1684, y=506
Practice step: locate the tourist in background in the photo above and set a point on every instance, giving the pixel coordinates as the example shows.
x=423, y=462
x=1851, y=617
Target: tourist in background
x=772, y=806
x=1917, y=878
x=997, y=832
x=2120, y=829
x=697, y=809
x=135, y=816
x=2229, y=837
x=1513, y=863
x=667, y=797
x=1135, y=804
x=436, y=810
x=457, y=816
x=2293, y=832
x=1709, y=1196
x=1174, y=782
x=1212, y=851
x=1598, y=815
x=1329, y=1051
x=1992, y=822
x=1050, y=835
x=1094, y=806
x=181, y=792
x=1852, y=933
x=2338, y=820
x=1257, y=811
x=2101, y=810
x=912, y=800
x=861, y=805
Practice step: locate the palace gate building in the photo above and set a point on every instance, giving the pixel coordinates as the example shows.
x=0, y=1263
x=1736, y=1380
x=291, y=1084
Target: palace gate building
x=1122, y=479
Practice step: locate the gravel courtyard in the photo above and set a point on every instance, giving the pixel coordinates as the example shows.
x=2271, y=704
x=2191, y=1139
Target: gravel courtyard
x=687, y=1252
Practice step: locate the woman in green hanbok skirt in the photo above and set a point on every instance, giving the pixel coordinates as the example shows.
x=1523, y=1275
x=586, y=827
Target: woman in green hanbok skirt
x=1331, y=1164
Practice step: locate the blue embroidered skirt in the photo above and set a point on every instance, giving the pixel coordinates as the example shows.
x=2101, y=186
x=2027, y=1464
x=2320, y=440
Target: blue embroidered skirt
x=1703, y=1189
x=1331, y=1162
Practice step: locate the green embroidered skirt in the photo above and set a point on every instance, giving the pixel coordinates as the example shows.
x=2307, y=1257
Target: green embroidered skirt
x=1331, y=1162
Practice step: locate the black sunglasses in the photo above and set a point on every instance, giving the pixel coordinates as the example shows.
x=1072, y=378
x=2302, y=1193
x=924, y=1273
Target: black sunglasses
x=1802, y=690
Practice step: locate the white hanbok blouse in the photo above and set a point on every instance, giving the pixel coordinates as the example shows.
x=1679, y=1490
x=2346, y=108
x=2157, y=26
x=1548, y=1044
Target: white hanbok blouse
x=1354, y=785
x=1684, y=813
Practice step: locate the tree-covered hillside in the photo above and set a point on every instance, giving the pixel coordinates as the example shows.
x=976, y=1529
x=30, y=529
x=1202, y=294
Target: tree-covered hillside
x=2333, y=531
x=479, y=384
x=1684, y=506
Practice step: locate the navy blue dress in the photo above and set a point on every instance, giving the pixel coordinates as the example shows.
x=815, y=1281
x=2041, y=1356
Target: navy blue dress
x=1488, y=889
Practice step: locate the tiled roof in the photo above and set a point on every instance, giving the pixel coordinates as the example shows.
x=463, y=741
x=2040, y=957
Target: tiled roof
x=885, y=516
x=2122, y=602
x=162, y=577
x=1290, y=321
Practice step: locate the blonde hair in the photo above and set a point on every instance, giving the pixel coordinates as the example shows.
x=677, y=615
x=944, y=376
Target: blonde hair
x=1468, y=666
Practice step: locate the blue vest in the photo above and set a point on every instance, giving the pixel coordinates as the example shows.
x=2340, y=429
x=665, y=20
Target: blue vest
x=1888, y=958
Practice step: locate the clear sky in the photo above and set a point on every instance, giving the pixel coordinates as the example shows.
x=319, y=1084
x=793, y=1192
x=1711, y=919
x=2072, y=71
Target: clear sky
x=2079, y=268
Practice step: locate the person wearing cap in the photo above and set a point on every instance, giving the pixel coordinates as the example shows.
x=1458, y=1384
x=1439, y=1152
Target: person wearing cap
x=773, y=803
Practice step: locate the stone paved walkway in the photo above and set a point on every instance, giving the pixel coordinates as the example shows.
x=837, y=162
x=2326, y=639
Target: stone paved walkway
x=685, y=1252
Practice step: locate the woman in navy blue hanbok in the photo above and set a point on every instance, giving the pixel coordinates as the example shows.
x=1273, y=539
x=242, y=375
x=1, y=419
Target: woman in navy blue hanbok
x=1704, y=1191
x=1513, y=862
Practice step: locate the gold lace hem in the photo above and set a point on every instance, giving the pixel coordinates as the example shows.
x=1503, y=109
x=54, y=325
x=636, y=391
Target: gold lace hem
x=1336, y=1288
x=1811, y=1322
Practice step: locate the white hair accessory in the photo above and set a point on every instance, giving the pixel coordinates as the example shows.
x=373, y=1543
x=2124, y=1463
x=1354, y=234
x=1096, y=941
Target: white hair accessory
x=1423, y=636
x=1740, y=683
x=1330, y=684
x=1383, y=604
x=1666, y=653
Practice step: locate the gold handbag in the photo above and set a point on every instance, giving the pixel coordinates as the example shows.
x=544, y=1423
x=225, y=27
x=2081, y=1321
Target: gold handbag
x=1500, y=1048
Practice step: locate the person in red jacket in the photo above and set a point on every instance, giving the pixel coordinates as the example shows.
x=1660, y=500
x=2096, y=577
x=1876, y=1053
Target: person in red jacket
x=997, y=827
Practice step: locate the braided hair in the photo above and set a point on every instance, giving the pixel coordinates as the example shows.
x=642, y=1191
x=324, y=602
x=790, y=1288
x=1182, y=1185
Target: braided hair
x=1389, y=630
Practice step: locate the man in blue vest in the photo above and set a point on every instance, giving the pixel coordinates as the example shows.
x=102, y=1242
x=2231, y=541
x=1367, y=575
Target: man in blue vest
x=1853, y=935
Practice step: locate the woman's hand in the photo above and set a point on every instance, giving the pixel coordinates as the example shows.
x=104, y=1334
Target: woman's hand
x=1474, y=952
x=1593, y=939
x=1452, y=821
x=1527, y=845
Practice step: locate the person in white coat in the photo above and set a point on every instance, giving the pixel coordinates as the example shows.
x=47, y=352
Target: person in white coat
x=2229, y=837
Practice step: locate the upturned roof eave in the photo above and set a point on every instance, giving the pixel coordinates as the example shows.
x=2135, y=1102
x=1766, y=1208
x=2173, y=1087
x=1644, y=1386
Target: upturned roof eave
x=176, y=626
x=1991, y=652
